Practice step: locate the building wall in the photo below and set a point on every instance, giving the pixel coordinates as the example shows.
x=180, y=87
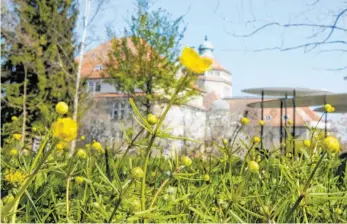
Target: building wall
x=221, y=89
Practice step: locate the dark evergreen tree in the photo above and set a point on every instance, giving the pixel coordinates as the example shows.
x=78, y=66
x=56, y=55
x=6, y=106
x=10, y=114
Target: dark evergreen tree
x=38, y=68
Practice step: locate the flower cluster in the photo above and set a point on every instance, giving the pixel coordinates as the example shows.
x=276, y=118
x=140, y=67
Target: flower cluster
x=15, y=177
x=17, y=136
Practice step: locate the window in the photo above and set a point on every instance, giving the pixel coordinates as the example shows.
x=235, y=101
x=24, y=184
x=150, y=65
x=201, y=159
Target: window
x=119, y=135
x=94, y=86
x=267, y=118
x=97, y=86
x=90, y=87
x=286, y=117
x=98, y=68
x=120, y=110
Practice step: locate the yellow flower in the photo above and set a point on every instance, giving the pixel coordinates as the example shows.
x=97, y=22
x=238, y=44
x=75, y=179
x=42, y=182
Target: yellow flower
x=61, y=108
x=15, y=177
x=13, y=152
x=244, y=120
x=34, y=129
x=256, y=139
x=152, y=119
x=82, y=154
x=79, y=180
x=290, y=122
x=261, y=123
x=14, y=118
x=253, y=166
x=83, y=138
x=65, y=129
x=332, y=144
x=193, y=62
x=307, y=143
x=97, y=146
x=17, y=136
x=186, y=160
x=328, y=108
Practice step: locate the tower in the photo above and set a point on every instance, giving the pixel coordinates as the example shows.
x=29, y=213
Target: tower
x=217, y=79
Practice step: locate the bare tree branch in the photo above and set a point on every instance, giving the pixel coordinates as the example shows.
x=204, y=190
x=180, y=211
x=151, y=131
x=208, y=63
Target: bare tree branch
x=290, y=25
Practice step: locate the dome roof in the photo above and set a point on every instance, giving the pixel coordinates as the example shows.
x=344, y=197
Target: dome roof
x=206, y=48
x=220, y=105
x=206, y=45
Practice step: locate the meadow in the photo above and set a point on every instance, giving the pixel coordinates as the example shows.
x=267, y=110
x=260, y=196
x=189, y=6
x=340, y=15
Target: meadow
x=96, y=183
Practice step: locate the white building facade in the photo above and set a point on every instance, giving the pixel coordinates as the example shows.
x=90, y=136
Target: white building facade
x=209, y=117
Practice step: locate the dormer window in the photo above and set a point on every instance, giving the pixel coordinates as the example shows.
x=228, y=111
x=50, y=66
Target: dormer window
x=98, y=68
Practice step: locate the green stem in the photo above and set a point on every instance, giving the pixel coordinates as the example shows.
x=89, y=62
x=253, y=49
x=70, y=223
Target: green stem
x=245, y=159
x=158, y=192
x=37, y=157
x=151, y=141
x=67, y=197
x=14, y=216
x=307, y=184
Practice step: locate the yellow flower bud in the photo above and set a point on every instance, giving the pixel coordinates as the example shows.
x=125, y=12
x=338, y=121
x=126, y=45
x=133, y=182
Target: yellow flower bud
x=307, y=143
x=261, y=123
x=17, y=136
x=225, y=141
x=14, y=118
x=82, y=154
x=256, y=139
x=137, y=173
x=328, y=108
x=332, y=144
x=60, y=146
x=13, y=152
x=290, y=122
x=97, y=146
x=79, y=180
x=62, y=108
x=206, y=177
x=244, y=120
x=83, y=137
x=152, y=119
x=253, y=166
x=186, y=161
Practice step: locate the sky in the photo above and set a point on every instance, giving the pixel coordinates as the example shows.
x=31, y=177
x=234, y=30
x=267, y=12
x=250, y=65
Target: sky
x=223, y=20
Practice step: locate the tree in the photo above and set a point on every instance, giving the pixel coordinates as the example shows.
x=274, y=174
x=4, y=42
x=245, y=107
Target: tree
x=37, y=60
x=145, y=60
